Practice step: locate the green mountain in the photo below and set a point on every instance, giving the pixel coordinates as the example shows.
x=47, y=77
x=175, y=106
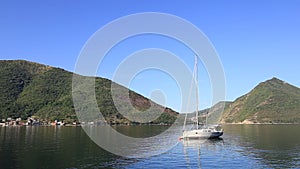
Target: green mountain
x=214, y=114
x=32, y=89
x=272, y=101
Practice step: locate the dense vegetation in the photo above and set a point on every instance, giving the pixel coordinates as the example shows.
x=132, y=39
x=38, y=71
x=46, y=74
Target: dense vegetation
x=273, y=101
x=31, y=89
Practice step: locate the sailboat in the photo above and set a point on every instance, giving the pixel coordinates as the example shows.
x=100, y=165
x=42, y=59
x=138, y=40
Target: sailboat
x=200, y=132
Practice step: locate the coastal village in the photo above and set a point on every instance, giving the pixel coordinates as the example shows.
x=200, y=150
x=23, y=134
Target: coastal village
x=34, y=121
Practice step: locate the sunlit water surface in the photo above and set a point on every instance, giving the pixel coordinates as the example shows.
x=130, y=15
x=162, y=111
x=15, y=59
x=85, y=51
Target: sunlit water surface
x=242, y=146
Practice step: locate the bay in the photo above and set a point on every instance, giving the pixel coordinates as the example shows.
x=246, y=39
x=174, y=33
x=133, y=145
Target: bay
x=242, y=146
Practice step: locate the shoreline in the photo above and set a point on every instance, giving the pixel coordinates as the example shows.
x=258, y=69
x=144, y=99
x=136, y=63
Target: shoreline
x=80, y=125
x=71, y=125
x=260, y=123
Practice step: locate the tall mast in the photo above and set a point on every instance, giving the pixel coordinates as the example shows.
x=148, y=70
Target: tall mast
x=197, y=94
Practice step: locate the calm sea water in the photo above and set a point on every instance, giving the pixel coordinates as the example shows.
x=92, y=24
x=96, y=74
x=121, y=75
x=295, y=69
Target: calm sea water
x=242, y=146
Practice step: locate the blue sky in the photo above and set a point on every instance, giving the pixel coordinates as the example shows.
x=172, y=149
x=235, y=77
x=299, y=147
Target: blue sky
x=255, y=40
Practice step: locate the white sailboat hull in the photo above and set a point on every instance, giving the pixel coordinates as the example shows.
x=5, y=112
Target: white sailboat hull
x=201, y=134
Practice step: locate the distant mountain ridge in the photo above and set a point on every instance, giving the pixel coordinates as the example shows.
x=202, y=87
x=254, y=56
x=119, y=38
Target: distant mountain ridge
x=272, y=101
x=32, y=89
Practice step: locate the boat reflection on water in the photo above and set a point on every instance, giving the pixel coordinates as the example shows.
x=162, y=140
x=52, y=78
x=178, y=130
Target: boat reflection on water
x=197, y=143
x=191, y=147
